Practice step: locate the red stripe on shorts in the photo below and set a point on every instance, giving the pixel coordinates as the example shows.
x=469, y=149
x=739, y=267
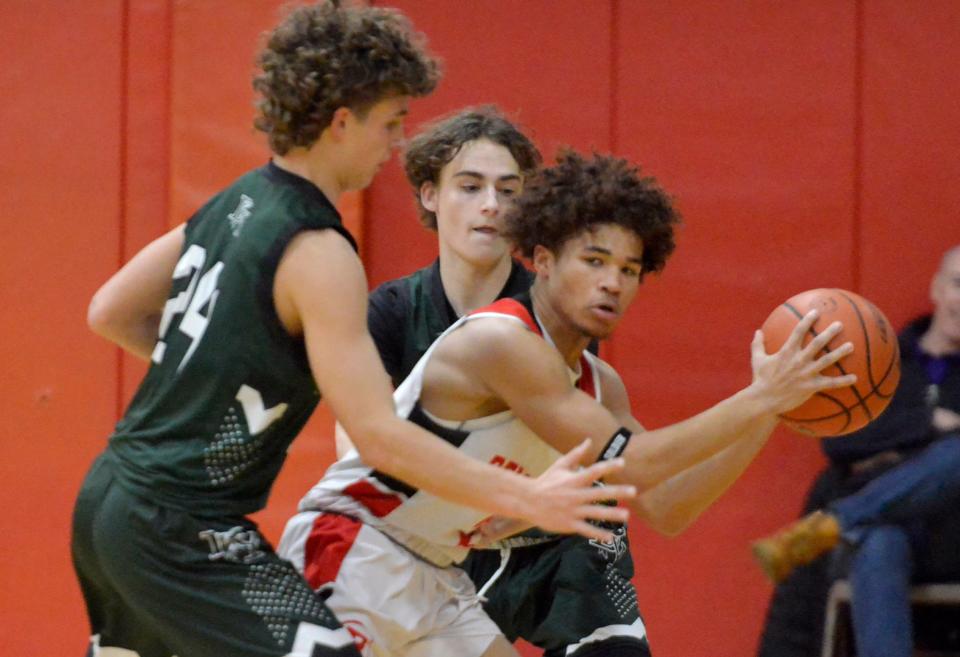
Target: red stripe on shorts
x=331, y=537
x=378, y=502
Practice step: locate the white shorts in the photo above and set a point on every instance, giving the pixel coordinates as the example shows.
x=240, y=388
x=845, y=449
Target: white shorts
x=392, y=602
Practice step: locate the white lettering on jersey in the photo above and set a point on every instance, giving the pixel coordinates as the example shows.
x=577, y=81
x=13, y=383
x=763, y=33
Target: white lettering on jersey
x=258, y=416
x=240, y=215
x=194, y=322
x=195, y=303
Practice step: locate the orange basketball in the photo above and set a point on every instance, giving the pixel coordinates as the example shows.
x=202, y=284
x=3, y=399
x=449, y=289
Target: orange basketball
x=875, y=360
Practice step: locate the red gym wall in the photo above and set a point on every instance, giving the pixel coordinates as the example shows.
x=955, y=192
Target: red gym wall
x=807, y=144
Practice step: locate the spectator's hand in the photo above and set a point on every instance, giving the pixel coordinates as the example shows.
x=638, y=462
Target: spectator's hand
x=945, y=420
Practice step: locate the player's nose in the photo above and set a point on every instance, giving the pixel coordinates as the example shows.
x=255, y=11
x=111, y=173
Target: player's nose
x=490, y=203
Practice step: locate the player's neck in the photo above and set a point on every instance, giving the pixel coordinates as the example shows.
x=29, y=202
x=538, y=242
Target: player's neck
x=469, y=286
x=567, y=338
x=311, y=164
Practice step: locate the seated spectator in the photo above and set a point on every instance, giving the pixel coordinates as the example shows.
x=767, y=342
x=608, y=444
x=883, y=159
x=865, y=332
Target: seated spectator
x=889, y=501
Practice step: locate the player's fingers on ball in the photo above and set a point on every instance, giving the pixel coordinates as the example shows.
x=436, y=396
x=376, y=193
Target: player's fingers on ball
x=834, y=355
x=839, y=381
x=801, y=329
x=824, y=337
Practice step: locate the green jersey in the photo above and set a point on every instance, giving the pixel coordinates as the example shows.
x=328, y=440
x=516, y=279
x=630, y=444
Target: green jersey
x=228, y=388
x=407, y=314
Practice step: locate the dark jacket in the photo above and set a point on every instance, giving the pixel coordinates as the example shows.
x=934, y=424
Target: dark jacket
x=794, y=622
x=906, y=424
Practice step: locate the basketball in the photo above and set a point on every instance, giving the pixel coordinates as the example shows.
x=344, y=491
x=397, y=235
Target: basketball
x=875, y=360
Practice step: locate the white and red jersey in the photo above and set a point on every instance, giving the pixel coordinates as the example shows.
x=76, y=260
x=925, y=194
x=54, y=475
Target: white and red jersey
x=435, y=529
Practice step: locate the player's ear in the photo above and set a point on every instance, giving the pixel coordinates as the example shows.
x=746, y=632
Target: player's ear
x=338, y=124
x=428, y=196
x=542, y=260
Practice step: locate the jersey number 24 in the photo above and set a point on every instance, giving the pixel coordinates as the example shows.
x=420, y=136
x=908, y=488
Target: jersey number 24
x=195, y=303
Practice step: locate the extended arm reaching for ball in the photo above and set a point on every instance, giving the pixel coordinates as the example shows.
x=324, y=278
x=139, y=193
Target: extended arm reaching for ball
x=680, y=469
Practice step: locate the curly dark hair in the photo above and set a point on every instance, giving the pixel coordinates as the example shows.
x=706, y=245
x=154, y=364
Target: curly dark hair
x=440, y=141
x=324, y=56
x=579, y=194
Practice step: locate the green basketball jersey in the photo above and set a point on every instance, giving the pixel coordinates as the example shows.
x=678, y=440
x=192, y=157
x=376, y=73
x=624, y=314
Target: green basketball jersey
x=407, y=314
x=228, y=388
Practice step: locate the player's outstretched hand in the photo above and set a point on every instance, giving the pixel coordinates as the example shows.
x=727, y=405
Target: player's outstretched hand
x=566, y=498
x=787, y=378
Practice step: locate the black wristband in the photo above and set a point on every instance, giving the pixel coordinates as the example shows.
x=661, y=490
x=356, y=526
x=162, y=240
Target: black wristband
x=615, y=446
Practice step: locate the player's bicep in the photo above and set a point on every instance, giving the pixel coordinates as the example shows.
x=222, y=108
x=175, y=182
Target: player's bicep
x=531, y=378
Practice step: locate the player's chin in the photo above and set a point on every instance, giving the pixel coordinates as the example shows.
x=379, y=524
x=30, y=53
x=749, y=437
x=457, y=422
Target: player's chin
x=602, y=324
x=598, y=330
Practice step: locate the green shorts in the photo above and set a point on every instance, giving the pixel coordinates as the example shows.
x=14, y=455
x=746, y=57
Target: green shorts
x=164, y=582
x=567, y=594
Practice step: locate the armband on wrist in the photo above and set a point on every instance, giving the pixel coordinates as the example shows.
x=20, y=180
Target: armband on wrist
x=615, y=446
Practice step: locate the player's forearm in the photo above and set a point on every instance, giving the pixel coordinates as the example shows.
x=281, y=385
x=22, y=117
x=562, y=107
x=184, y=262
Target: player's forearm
x=671, y=506
x=127, y=308
x=425, y=462
x=563, y=499
x=408, y=453
x=663, y=453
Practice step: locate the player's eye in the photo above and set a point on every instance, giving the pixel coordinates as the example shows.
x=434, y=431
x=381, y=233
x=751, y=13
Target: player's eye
x=632, y=272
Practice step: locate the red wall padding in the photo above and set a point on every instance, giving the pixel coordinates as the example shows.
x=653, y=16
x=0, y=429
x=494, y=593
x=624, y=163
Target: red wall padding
x=807, y=144
x=909, y=166
x=61, y=213
x=745, y=113
x=506, y=54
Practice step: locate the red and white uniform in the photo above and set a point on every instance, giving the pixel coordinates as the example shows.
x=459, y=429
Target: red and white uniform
x=344, y=515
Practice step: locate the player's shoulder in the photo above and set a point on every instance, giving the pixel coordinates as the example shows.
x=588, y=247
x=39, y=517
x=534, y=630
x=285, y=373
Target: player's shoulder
x=509, y=307
x=392, y=291
x=394, y=297
x=497, y=335
x=321, y=241
x=322, y=261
